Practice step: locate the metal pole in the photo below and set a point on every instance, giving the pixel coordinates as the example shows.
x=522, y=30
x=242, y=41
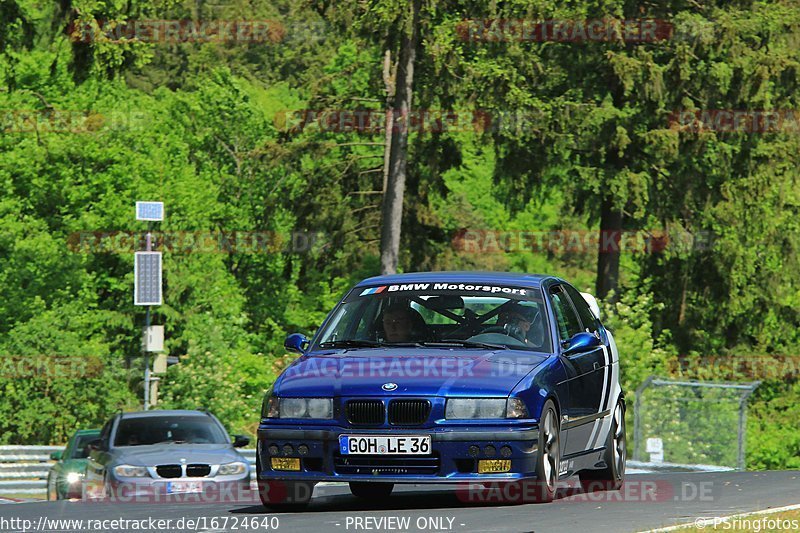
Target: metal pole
x=743, y=423
x=637, y=424
x=148, y=248
x=742, y=415
x=146, y=364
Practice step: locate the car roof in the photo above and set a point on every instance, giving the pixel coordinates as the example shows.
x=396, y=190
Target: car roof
x=517, y=278
x=82, y=432
x=158, y=413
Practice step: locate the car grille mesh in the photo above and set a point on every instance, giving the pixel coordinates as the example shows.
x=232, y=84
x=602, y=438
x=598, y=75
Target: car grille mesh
x=169, y=470
x=409, y=412
x=365, y=412
x=198, y=470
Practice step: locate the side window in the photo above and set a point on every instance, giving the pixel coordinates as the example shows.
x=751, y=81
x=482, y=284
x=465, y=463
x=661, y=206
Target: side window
x=105, y=434
x=584, y=312
x=566, y=319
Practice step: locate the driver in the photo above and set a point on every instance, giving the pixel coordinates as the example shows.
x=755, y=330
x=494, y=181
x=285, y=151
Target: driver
x=516, y=320
x=401, y=323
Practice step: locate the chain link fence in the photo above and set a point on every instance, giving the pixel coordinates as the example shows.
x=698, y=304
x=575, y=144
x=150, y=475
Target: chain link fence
x=691, y=422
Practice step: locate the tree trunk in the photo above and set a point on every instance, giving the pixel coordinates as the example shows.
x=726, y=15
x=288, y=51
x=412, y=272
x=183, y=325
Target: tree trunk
x=392, y=209
x=388, y=81
x=608, y=251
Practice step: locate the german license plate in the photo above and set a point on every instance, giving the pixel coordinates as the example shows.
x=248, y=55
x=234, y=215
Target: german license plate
x=384, y=445
x=182, y=487
x=494, y=466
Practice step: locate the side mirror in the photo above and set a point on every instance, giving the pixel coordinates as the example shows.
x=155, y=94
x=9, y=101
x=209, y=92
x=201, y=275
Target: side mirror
x=296, y=342
x=240, y=441
x=579, y=343
x=56, y=456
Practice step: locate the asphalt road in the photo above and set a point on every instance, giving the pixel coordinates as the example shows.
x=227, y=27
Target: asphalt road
x=648, y=501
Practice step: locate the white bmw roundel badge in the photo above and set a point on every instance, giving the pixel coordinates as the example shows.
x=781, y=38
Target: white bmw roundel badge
x=389, y=386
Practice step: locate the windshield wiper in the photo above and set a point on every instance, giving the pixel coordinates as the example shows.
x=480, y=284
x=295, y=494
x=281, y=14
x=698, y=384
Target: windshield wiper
x=465, y=344
x=350, y=343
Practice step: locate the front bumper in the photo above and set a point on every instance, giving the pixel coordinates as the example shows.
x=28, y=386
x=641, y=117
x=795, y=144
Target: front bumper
x=150, y=490
x=452, y=459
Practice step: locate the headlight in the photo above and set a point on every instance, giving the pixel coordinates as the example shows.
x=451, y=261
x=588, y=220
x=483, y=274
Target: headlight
x=130, y=471
x=485, y=408
x=269, y=409
x=74, y=477
x=231, y=469
x=515, y=408
x=465, y=408
x=321, y=408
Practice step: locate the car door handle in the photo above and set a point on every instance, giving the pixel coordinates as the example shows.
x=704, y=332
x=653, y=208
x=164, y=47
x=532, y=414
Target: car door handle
x=596, y=365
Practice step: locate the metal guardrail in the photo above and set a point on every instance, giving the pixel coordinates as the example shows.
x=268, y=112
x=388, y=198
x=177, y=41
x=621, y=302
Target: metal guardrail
x=24, y=469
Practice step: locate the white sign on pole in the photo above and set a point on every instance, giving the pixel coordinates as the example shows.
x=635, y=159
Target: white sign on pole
x=154, y=339
x=147, y=278
x=152, y=211
x=655, y=445
x=657, y=457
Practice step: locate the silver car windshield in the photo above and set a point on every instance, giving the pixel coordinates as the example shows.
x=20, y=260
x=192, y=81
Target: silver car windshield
x=169, y=429
x=466, y=315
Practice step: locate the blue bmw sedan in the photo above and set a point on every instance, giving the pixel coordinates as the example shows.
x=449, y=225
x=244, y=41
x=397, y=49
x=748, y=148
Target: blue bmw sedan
x=447, y=377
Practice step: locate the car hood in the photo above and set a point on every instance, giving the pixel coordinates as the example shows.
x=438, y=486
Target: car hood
x=157, y=454
x=414, y=371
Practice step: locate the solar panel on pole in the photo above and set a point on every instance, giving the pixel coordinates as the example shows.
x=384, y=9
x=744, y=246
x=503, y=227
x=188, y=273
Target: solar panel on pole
x=153, y=211
x=147, y=278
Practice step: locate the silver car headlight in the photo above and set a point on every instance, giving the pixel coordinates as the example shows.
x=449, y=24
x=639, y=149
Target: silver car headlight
x=484, y=408
x=319, y=408
x=232, y=469
x=74, y=477
x=130, y=471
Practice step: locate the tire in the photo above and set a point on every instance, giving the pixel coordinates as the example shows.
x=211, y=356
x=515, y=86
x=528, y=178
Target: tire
x=549, y=458
x=371, y=491
x=613, y=475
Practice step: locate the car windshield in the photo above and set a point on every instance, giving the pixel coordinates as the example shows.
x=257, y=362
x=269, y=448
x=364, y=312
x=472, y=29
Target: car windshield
x=469, y=315
x=79, y=447
x=169, y=429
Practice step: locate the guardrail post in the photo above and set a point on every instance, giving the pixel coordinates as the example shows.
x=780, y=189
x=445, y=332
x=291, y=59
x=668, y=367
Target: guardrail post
x=743, y=424
x=637, y=423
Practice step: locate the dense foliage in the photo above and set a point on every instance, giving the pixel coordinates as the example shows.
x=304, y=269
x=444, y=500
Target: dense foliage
x=565, y=133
